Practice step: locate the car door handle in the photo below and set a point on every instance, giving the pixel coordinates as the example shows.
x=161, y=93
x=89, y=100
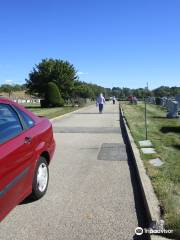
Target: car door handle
x=27, y=140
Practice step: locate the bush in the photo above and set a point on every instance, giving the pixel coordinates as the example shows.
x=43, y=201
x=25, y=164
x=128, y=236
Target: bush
x=53, y=96
x=158, y=100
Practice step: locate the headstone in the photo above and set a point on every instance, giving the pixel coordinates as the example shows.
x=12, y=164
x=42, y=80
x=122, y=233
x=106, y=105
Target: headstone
x=164, y=101
x=172, y=109
x=145, y=143
x=151, y=100
x=148, y=150
x=161, y=101
x=156, y=162
x=177, y=97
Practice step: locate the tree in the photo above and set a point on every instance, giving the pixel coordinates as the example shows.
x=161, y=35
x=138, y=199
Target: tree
x=53, y=97
x=46, y=71
x=17, y=87
x=7, y=88
x=162, y=91
x=117, y=92
x=126, y=92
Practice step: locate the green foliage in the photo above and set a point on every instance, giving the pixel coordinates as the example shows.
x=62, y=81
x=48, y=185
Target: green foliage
x=46, y=71
x=83, y=90
x=53, y=96
x=66, y=79
x=50, y=112
x=165, y=91
x=158, y=100
x=7, y=88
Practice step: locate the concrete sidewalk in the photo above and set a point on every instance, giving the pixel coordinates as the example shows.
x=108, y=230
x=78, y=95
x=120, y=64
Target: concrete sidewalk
x=95, y=174
x=90, y=195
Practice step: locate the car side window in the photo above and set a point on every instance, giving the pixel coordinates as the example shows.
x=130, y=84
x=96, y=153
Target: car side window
x=10, y=125
x=27, y=119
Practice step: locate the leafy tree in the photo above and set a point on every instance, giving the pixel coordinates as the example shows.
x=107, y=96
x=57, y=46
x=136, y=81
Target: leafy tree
x=174, y=91
x=117, y=92
x=7, y=88
x=162, y=91
x=53, y=97
x=87, y=90
x=83, y=91
x=126, y=92
x=46, y=71
x=17, y=87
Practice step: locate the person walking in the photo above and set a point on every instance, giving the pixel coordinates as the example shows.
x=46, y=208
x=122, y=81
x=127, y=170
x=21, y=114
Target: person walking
x=100, y=102
x=114, y=100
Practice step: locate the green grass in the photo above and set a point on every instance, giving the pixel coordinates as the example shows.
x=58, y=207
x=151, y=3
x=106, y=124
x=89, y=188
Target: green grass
x=51, y=112
x=165, y=136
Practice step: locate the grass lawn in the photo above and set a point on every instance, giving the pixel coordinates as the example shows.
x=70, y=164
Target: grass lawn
x=165, y=136
x=50, y=112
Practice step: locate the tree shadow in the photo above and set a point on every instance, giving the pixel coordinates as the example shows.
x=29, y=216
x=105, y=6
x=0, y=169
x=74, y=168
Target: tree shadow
x=159, y=117
x=29, y=107
x=168, y=129
x=177, y=146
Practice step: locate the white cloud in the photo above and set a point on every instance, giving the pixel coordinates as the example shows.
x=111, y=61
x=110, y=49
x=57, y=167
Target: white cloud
x=82, y=73
x=8, y=81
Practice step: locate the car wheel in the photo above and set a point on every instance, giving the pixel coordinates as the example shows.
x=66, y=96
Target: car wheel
x=41, y=179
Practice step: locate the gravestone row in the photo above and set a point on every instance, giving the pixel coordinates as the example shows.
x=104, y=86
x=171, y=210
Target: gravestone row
x=171, y=104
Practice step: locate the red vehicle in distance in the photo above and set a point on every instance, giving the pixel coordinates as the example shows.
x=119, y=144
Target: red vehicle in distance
x=26, y=149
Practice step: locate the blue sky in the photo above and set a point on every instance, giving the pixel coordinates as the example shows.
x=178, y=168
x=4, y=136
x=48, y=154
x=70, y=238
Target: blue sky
x=123, y=43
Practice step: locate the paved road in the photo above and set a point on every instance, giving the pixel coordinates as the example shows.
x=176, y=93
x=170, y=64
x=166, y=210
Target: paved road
x=90, y=195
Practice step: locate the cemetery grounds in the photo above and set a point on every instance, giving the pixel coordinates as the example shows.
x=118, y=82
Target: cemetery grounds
x=164, y=134
x=49, y=112
x=52, y=112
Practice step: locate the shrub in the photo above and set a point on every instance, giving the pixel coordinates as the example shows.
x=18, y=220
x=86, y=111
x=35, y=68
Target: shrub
x=53, y=96
x=158, y=100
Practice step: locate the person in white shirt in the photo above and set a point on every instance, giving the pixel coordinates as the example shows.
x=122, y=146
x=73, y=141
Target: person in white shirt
x=114, y=100
x=100, y=102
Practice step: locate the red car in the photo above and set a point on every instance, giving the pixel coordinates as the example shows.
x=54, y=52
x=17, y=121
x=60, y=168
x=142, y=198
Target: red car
x=26, y=148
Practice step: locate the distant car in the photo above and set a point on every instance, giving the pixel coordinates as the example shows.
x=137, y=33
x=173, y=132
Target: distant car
x=26, y=148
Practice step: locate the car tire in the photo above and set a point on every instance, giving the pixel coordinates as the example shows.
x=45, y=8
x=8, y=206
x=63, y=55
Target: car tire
x=40, y=179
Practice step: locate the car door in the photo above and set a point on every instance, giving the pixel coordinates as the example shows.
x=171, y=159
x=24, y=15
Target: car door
x=16, y=155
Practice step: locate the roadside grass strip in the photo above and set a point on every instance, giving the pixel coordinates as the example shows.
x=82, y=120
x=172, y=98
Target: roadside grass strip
x=164, y=135
x=52, y=112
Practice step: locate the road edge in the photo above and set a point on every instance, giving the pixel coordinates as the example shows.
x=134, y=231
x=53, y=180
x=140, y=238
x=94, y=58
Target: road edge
x=149, y=197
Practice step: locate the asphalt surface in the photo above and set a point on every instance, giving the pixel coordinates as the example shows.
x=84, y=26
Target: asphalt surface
x=91, y=194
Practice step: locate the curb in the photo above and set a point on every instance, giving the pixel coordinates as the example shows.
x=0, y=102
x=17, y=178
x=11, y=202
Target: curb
x=69, y=113
x=149, y=198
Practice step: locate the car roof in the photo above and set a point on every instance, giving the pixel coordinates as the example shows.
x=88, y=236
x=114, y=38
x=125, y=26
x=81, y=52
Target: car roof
x=5, y=100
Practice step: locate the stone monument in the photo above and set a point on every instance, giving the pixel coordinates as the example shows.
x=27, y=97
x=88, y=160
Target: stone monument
x=172, y=109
